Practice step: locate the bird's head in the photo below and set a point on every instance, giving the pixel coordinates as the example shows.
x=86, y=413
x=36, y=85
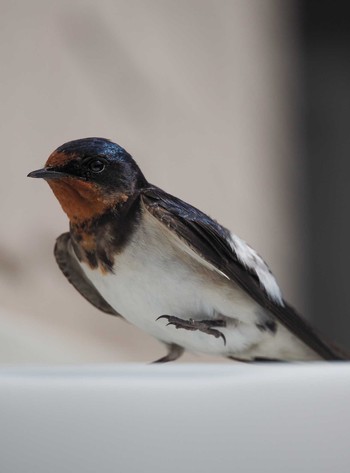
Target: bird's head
x=90, y=176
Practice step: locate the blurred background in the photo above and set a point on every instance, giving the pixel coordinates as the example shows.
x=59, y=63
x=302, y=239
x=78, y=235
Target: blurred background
x=239, y=107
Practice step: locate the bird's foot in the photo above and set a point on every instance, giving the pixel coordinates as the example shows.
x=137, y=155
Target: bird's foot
x=174, y=352
x=205, y=326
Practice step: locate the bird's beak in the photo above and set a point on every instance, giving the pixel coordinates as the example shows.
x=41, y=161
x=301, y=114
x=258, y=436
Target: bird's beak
x=48, y=174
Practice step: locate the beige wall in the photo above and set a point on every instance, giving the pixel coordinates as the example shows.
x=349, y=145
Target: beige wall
x=200, y=92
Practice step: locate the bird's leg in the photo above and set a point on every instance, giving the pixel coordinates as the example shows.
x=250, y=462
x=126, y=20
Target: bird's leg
x=174, y=352
x=258, y=359
x=205, y=326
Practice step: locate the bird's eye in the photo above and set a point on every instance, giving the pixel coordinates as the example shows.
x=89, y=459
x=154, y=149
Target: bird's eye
x=96, y=165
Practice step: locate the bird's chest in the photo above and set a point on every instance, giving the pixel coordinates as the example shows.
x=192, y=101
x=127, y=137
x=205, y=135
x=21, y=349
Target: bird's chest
x=152, y=277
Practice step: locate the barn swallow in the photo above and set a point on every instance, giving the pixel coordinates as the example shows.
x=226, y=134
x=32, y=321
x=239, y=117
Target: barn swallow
x=135, y=251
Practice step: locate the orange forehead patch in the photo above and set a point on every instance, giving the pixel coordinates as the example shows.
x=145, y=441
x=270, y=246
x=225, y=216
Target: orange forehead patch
x=58, y=159
x=83, y=200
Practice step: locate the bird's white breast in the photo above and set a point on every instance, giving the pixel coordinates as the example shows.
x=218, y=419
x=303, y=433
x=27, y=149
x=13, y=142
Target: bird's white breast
x=154, y=276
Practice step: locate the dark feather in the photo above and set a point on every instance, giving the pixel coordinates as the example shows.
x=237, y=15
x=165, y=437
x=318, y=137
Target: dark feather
x=211, y=241
x=75, y=275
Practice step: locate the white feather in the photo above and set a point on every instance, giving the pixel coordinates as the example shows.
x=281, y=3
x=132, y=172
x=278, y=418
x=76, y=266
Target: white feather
x=251, y=260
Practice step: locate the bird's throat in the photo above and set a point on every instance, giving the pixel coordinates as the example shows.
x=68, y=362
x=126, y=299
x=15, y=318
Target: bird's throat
x=83, y=201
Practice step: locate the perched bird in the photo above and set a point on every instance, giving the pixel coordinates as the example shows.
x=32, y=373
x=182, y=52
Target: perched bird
x=134, y=250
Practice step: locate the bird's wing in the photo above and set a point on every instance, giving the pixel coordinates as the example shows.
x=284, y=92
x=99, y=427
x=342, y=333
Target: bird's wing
x=234, y=259
x=70, y=267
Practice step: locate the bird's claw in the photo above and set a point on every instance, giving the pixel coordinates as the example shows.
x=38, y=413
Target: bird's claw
x=205, y=326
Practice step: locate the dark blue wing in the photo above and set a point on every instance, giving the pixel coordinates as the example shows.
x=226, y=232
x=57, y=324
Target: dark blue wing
x=70, y=267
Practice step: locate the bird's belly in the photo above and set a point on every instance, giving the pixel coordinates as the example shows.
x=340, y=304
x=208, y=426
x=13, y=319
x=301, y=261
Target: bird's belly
x=148, y=284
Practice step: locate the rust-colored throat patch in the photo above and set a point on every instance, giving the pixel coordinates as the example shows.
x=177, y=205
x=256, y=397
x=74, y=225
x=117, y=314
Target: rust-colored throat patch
x=83, y=200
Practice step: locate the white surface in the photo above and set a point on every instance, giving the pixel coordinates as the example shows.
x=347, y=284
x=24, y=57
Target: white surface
x=175, y=418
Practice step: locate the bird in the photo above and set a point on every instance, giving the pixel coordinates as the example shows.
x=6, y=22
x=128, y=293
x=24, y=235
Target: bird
x=136, y=252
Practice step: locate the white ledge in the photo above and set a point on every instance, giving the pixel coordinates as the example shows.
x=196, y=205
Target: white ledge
x=170, y=418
